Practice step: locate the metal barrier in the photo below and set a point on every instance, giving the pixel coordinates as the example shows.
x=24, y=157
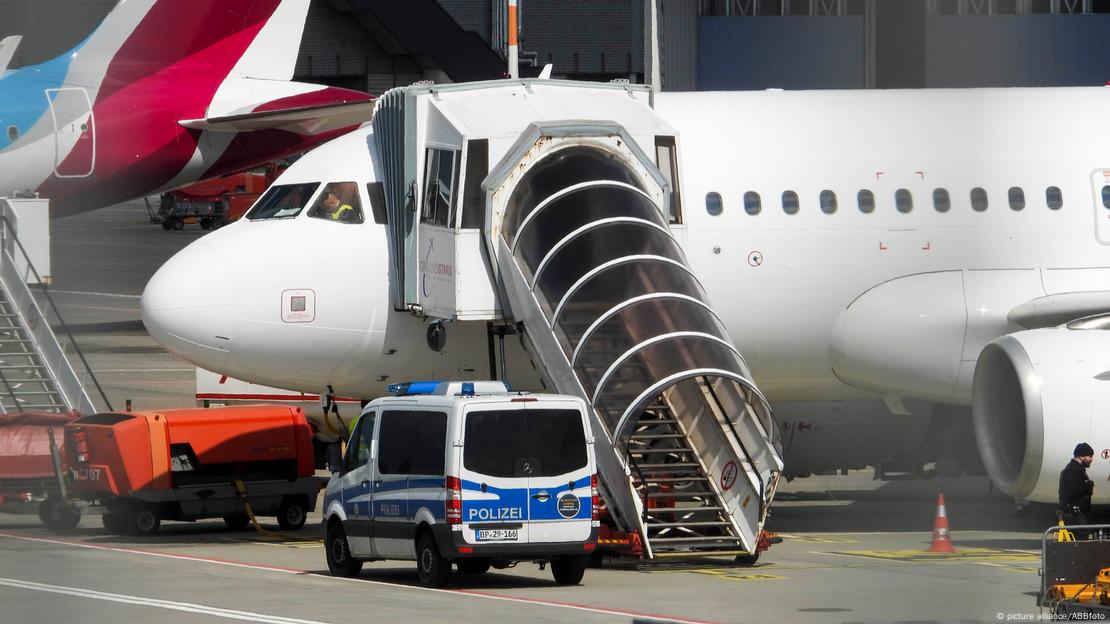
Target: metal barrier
x=1070, y=566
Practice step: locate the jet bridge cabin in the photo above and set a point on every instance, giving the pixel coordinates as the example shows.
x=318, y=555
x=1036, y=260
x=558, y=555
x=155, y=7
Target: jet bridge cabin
x=552, y=206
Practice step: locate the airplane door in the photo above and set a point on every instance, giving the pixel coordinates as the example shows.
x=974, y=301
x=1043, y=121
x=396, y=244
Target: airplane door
x=1100, y=183
x=74, y=132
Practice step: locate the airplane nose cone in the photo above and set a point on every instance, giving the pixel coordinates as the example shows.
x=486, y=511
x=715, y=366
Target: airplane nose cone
x=188, y=306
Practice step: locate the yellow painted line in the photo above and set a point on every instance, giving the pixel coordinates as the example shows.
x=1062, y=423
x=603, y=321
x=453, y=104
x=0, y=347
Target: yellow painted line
x=814, y=539
x=1009, y=567
x=923, y=556
x=287, y=543
x=736, y=575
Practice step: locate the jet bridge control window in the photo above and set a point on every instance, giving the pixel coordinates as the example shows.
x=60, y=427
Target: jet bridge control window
x=666, y=158
x=441, y=171
x=338, y=202
x=283, y=201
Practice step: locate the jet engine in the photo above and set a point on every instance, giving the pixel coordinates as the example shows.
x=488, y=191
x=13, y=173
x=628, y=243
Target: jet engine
x=1035, y=395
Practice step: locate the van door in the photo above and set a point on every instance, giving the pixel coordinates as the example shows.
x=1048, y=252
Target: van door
x=356, y=485
x=392, y=532
x=495, y=476
x=559, y=489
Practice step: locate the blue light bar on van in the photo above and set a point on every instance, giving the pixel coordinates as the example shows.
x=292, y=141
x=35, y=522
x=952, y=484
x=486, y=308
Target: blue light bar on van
x=468, y=388
x=412, y=387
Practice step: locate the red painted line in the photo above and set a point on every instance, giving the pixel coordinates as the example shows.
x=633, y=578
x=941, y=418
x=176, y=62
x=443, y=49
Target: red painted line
x=286, y=570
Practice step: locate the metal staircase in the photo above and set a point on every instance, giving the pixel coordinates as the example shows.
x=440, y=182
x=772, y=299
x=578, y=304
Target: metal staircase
x=35, y=372
x=577, y=251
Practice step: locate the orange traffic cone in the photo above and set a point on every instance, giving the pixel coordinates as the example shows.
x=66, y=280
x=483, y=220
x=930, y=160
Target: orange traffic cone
x=942, y=542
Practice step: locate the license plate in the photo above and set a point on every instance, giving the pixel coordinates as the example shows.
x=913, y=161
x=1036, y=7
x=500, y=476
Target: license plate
x=489, y=535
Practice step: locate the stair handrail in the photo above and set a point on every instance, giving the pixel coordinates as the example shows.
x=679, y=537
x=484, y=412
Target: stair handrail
x=8, y=227
x=740, y=443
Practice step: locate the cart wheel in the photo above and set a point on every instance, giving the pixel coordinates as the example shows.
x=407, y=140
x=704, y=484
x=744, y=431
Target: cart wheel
x=115, y=523
x=178, y=224
x=167, y=224
x=206, y=224
x=746, y=561
x=60, y=515
x=292, y=514
x=237, y=523
x=144, y=520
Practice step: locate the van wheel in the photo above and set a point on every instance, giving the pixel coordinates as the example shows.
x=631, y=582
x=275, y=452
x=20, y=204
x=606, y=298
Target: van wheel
x=144, y=520
x=292, y=514
x=569, y=570
x=237, y=523
x=431, y=567
x=338, y=553
x=473, y=566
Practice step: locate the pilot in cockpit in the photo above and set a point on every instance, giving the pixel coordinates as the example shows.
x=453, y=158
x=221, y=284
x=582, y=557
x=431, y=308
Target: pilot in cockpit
x=338, y=202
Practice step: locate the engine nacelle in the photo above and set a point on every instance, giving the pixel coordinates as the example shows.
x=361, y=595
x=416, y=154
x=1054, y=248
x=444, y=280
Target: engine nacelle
x=1036, y=394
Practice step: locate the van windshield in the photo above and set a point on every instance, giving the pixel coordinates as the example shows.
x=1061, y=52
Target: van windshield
x=497, y=443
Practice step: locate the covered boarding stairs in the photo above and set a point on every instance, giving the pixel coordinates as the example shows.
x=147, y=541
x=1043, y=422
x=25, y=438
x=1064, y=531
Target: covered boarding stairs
x=585, y=263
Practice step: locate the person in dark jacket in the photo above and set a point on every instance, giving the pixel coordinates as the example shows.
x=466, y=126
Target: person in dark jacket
x=1075, y=488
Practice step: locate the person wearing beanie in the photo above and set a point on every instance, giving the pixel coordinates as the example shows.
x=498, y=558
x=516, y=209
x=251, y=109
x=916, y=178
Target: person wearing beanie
x=1075, y=488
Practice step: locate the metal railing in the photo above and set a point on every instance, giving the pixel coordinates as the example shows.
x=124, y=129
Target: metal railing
x=35, y=323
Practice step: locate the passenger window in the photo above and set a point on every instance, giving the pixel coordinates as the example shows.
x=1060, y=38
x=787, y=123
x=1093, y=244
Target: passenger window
x=978, y=199
x=903, y=200
x=283, y=201
x=441, y=171
x=866, y=201
x=713, y=204
x=666, y=158
x=790, y=202
x=376, y=192
x=358, y=448
x=941, y=201
x=338, y=202
x=13, y=134
x=752, y=203
x=1054, y=198
x=1106, y=196
x=1016, y=197
x=828, y=202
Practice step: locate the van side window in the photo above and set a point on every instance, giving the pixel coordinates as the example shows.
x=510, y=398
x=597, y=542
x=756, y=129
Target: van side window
x=412, y=443
x=393, y=435
x=427, y=444
x=358, y=449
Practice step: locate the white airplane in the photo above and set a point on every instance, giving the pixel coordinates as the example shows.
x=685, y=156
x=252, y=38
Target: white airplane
x=896, y=267
x=162, y=94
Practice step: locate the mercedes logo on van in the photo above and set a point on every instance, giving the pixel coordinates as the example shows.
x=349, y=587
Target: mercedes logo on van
x=569, y=505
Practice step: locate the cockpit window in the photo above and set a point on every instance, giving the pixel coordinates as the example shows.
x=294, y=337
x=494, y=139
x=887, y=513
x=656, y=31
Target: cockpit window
x=283, y=201
x=338, y=202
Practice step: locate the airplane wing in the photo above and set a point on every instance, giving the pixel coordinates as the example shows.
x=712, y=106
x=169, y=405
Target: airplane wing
x=8, y=46
x=1052, y=310
x=304, y=120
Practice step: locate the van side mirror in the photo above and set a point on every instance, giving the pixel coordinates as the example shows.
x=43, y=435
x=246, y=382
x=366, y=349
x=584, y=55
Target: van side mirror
x=335, y=458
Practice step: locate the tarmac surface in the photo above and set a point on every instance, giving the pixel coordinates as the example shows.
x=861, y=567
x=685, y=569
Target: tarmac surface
x=853, y=549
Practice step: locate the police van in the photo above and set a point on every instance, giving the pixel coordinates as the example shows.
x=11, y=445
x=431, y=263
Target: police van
x=465, y=473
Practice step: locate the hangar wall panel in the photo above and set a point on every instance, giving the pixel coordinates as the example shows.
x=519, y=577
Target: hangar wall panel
x=738, y=53
x=1016, y=50
x=604, y=38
